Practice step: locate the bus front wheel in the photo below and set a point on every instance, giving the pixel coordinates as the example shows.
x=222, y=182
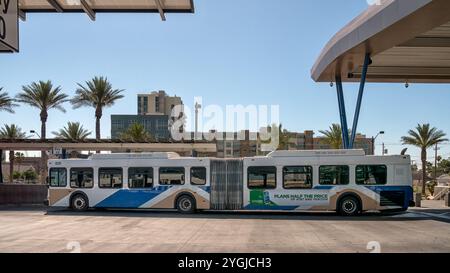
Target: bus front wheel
x=349, y=206
x=79, y=203
x=186, y=204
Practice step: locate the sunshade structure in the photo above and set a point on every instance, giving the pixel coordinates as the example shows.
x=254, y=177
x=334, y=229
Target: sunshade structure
x=402, y=41
x=91, y=7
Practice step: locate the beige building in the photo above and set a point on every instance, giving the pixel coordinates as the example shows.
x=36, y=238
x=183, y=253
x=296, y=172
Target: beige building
x=157, y=103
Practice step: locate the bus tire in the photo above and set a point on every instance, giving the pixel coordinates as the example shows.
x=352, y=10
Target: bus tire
x=186, y=204
x=349, y=206
x=79, y=202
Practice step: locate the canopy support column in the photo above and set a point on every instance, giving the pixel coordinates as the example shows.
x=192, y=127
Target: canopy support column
x=367, y=62
x=342, y=113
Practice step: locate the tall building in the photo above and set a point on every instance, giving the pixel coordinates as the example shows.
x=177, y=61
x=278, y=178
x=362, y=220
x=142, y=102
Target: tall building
x=153, y=112
x=155, y=125
x=157, y=103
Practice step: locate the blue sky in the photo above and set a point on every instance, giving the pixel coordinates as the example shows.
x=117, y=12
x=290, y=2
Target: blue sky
x=229, y=52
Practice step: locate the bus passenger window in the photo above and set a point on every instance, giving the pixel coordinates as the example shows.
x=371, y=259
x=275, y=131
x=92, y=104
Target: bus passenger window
x=110, y=178
x=81, y=178
x=171, y=176
x=298, y=177
x=58, y=177
x=198, y=176
x=371, y=174
x=262, y=177
x=140, y=177
x=334, y=175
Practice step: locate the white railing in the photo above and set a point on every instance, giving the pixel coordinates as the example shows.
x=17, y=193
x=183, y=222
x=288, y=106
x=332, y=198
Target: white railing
x=441, y=194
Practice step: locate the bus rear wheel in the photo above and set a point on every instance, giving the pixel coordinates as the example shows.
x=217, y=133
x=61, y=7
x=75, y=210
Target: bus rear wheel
x=186, y=204
x=349, y=206
x=79, y=203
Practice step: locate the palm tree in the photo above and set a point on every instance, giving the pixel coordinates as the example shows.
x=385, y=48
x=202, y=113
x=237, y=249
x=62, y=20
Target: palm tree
x=98, y=93
x=424, y=137
x=6, y=104
x=73, y=132
x=11, y=132
x=136, y=133
x=333, y=136
x=44, y=97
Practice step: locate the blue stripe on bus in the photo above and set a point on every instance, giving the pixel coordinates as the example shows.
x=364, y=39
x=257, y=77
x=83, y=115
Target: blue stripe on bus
x=408, y=190
x=131, y=198
x=206, y=188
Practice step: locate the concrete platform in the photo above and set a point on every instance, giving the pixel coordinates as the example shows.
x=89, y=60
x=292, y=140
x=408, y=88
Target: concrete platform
x=34, y=229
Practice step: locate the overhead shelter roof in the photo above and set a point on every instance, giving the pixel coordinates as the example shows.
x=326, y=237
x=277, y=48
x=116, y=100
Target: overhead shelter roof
x=409, y=41
x=93, y=6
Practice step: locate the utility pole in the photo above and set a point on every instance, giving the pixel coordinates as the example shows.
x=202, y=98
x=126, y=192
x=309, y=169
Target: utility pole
x=383, y=149
x=435, y=160
x=197, y=107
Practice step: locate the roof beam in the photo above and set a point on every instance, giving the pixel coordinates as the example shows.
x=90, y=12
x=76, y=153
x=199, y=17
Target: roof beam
x=427, y=42
x=22, y=15
x=160, y=7
x=88, y=10
x=55, y=4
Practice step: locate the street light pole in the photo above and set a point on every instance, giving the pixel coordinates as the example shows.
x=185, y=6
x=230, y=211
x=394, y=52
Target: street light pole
x=34, y=132
x=373, y=140
x=197, y=107
x=435, y=160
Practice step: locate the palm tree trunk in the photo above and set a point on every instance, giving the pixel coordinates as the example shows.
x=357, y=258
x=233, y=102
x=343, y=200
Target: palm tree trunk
x=44, y=116
x=98, y=116
x=11, y=166
x=97, y=128
x=424, y=170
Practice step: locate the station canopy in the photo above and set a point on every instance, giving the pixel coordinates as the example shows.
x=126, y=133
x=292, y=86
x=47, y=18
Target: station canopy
x=408, y=41
x=90, y=7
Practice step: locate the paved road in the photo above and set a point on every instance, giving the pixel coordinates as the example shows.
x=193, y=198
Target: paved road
x=39, y=230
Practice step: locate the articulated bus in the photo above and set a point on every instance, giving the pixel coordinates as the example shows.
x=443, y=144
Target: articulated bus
x=346, y=181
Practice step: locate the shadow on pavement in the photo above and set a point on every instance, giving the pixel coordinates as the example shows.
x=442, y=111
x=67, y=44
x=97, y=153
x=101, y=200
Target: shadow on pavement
x=300, y=216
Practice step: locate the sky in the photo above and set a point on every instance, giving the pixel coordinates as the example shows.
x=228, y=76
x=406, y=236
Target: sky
x=230, y=52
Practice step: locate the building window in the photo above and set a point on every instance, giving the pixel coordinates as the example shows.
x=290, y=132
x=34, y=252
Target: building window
x=334, y=175
x=145, y=104
x=171, y=176
x=157, y=104
x=81, y=178
x=139, y=105
x=371, y=174
x=262, y=177
x=140, y=177
x=198, y=176
x=297, y=177
x=58, y=177
x=110, y=178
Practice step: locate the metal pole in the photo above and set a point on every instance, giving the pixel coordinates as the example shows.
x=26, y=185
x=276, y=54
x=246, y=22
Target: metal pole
x=435, y=161
x=383, y=148
x=373, y=145
x=342, y=113
x=360, y=96
x=1, y=170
